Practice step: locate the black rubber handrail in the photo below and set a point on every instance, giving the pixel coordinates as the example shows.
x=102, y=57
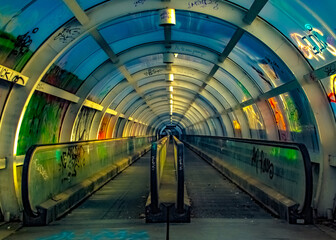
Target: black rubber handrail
x=179, y=166
x=306, y=208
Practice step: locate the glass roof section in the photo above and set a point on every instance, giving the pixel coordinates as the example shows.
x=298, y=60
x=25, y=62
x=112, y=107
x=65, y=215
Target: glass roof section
x=105, y=85
x=202, y=30
x=232, y=84
x=132, y=30
x=265, y=67
x=26, y=24
x=310, y=31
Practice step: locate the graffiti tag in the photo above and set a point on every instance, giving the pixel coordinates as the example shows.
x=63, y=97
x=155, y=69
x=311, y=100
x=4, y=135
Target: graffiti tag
x=22, y=43
x=138, y=2
x=71, y=160
x=68, y=34
x=262, y=164
x=204, y=3
x=152, y=71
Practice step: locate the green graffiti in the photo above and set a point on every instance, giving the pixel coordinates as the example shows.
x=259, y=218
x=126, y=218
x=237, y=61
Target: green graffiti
x=42, y=121
x=63, y=79
x=11, y=54
x=293, y=114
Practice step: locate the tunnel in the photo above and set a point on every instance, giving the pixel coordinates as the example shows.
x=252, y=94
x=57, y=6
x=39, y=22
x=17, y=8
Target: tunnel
x=214, y=73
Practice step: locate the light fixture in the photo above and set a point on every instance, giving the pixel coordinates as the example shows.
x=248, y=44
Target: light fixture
x=168, y=58
x=167, y=17
x=169, y=77
x=170, y=88
x=171, y=96
x=171, y=101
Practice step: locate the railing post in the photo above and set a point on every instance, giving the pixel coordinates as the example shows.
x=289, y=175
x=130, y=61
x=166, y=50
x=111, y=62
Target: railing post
x=180, y=177
x=154, y=187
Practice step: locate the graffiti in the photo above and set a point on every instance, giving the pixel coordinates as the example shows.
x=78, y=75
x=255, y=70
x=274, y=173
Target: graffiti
x=279, y=118
x=42, y=121
x=71, y=160
x=12, y=76
x=262, y=163
x=313, y=44
x=292, y=112
x=105, y=234
x=22, y=43
x=152, y=71
x=330, y=69
x=68, y=34
x=194, y=52
x=138, y=2
x=204, y=3
x=332, y=96
x=236, y=124
x=42, y=171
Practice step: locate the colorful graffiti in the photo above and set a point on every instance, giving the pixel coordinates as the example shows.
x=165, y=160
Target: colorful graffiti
x=331, y=95
x=279, y=119
x=253, y=116
x=236, y=124
x=82, y=124
x=292, y=112
x=63, y=79
x=42, y=121
x=313, y=43
x=103, y=127
x=14, y=51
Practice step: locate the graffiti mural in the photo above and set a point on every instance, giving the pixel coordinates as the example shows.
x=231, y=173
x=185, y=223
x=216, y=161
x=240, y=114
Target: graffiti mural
x=14, y=51
x=82, y=124
x=103, y=127
x=279, y=119
x=63, y=79
x=42, y=121
x=71, y=161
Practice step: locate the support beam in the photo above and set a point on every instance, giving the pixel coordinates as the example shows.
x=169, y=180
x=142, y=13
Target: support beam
x=254, y=11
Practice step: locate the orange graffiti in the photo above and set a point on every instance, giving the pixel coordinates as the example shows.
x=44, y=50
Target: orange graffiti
x=278, y=115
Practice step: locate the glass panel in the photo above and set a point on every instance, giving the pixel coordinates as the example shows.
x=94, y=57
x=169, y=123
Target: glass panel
x=104, y=125
x=63, y=72
x=193, y=62
x=233, y=85
x=280, y=118
x=235, y=125
x=279, y=166
x=105, y=85
x=142, y=63
x=42, y=121
x=54, y=169
x=308, y=24
x=82, y=124
x=84, y=4
x=261, y=63
x=219, y=96
x=203, y=30
x=121, y=96
x=24, y=27
x=256, y=122
x=147, y=30
x=300, y=119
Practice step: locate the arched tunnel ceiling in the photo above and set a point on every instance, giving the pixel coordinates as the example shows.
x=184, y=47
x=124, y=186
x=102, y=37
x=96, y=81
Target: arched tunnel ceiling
x=238, y=65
